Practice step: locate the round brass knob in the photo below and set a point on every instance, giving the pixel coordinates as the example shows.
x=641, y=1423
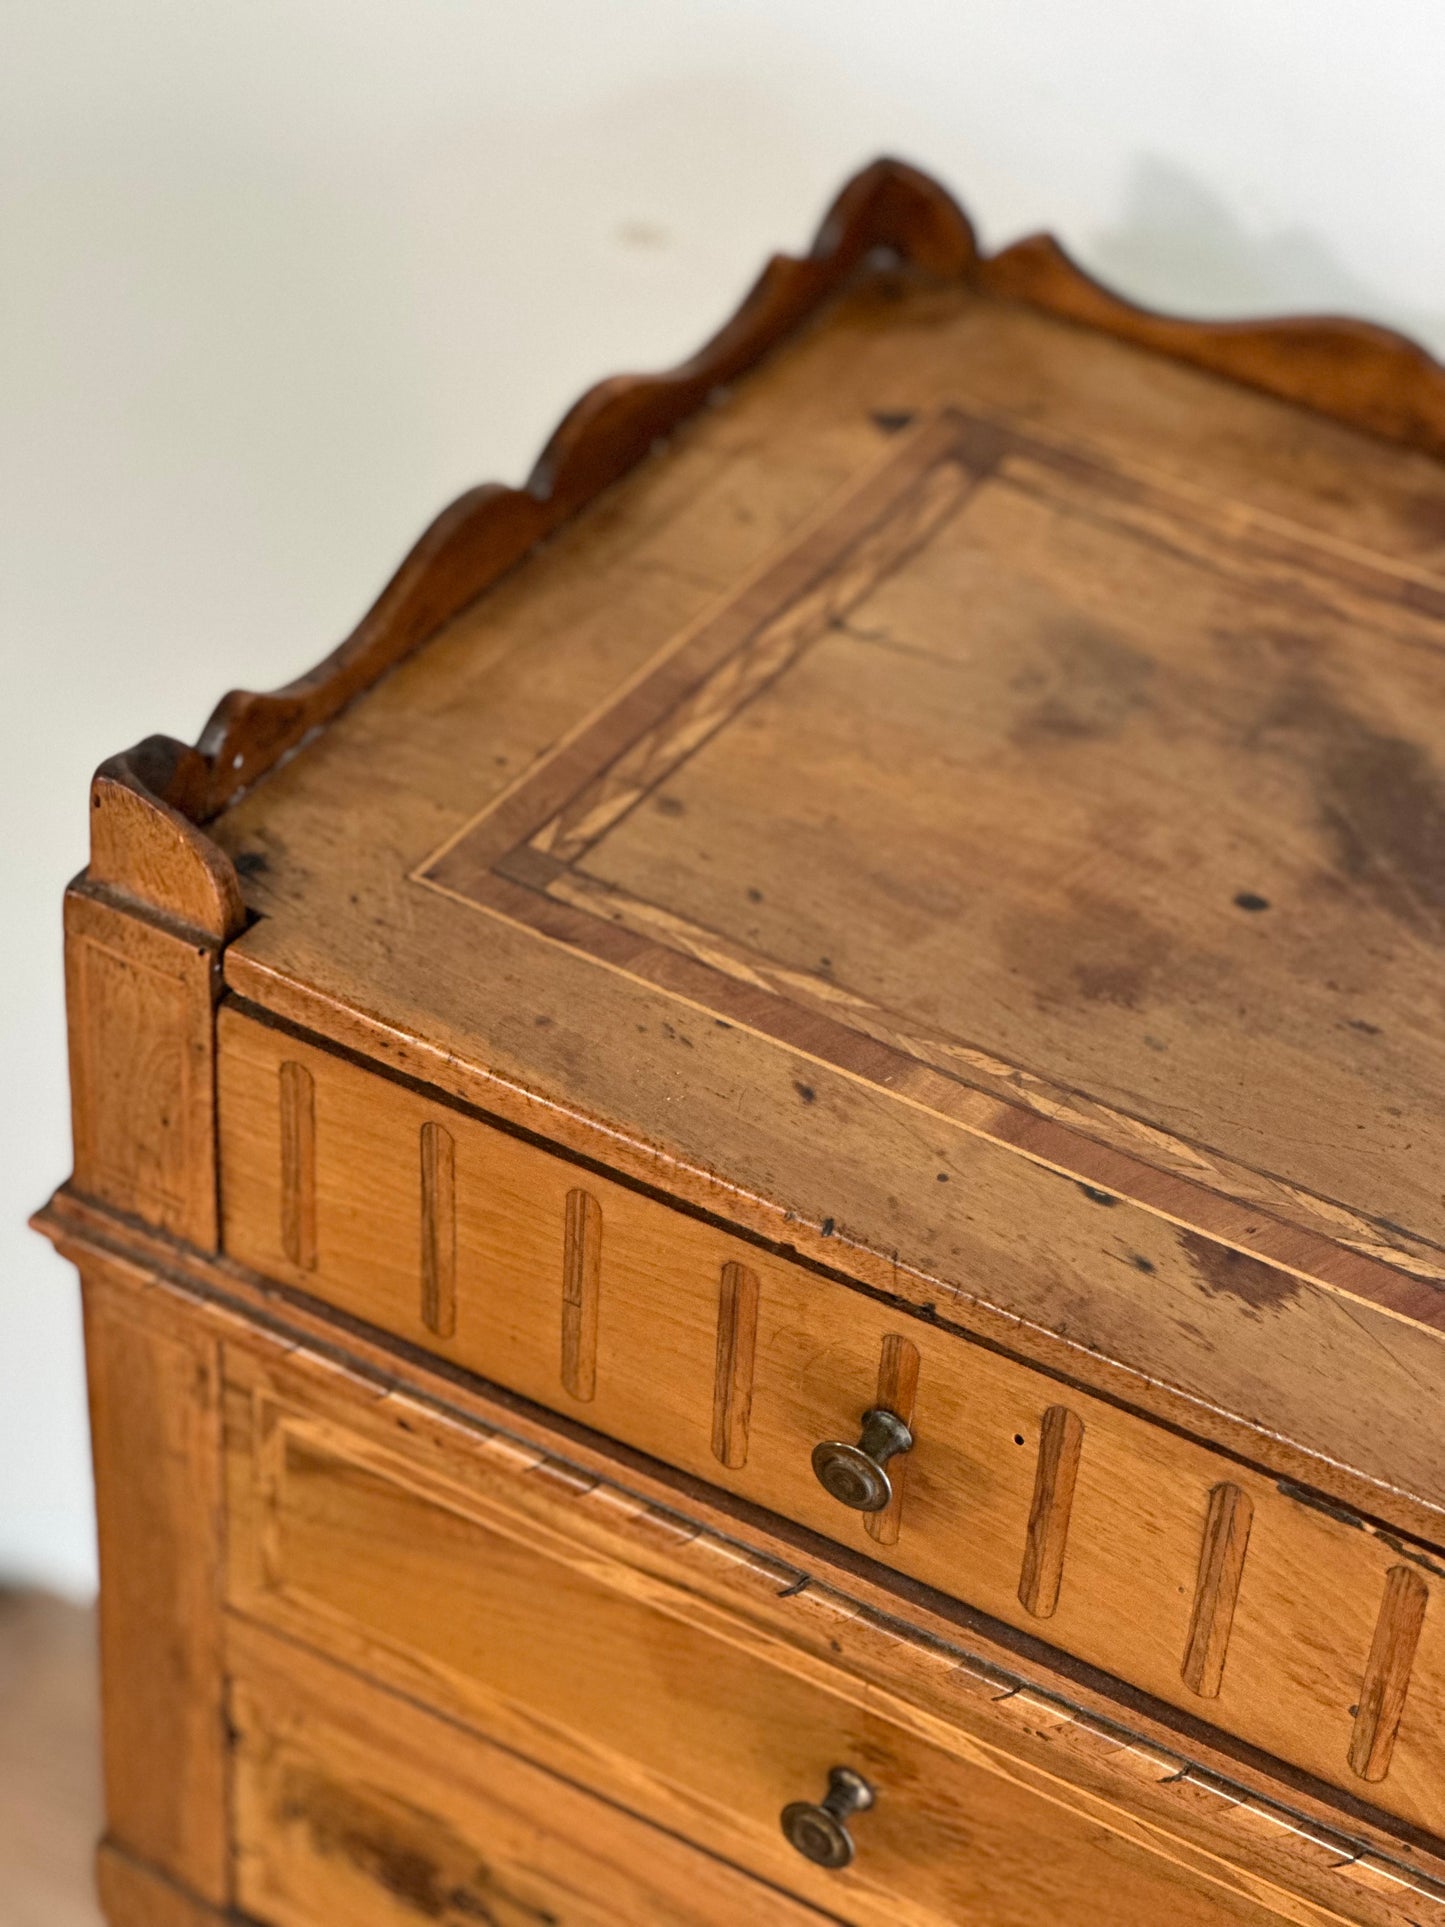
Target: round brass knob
x=854, y=1474
x=820, y=1833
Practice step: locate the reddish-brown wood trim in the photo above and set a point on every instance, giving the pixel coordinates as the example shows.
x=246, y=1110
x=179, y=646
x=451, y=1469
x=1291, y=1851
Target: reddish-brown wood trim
x=889, y=206
x=145, y=805
x=1352, y=370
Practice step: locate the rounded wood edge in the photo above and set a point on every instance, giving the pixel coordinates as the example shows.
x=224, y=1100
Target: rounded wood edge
x=145, y=843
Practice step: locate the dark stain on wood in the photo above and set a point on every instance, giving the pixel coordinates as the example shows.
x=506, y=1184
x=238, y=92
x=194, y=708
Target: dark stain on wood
x=1094, y=951
x=1379, y=797
x=1316, y=1501
x=1226, y=1273
x=1090, y=684
x=414, y=1855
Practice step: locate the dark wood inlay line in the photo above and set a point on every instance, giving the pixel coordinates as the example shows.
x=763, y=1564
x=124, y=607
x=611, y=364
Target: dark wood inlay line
x=517, y=858
x=737, y=1337
x=701, y=711
x=1387, y=1672
x=898, y=1391
x=581, y=1288
x=804, y=567
x=438, y=1229
x=1216, y=1590
x=298, y=1165
x=1061, y=1442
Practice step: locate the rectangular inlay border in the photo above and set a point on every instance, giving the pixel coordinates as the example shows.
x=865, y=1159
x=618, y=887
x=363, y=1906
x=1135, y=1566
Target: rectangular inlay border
x=520, y=858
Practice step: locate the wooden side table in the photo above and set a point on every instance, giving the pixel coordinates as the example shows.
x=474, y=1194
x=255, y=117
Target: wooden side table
x=759, y=1186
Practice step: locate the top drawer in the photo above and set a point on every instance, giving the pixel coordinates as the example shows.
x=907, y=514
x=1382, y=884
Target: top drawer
x=1157, y=1559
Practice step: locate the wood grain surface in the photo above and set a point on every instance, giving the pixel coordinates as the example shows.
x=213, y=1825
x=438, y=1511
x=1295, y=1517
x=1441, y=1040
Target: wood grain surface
x=155, y=1416
x=354, y=1805
x=254, y=1314
x=1061, y=1445
x=140, y=997
x=943, y=1662
x=737, y=1344
x=1097, y=1513
x=924, y=891
x=438, y=1229
x=1216, y=1594
x=496, y=1588
x=898, y=1366
x=881, y=811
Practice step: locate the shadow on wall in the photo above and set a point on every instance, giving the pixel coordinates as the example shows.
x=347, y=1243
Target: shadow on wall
x=1178, y=246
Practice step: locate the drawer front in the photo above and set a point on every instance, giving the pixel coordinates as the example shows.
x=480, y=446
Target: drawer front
x=353, y=1806
x=1155, y=1558
x=631, y=1654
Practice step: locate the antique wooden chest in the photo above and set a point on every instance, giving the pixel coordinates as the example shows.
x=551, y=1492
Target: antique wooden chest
x=760, y=1187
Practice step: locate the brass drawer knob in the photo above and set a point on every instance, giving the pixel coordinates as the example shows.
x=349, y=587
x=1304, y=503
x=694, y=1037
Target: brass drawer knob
x=820, y=1833
x=854, y=1474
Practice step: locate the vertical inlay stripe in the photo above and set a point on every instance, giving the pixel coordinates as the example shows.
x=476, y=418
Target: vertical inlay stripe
x=1216, y=1590
x=1061, y=1441
x=581, y=1285
x=298, y=1165
x=1387, y=1672
x=438, y=1230
x=898, y=1391
x=737, y=1338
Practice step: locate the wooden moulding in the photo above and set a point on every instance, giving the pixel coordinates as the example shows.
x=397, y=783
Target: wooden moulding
x=149, y=801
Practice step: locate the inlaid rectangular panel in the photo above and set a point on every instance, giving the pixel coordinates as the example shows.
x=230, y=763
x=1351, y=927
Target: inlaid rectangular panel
x=1281, y=1619
x=1022, y=769
x=568, y=1624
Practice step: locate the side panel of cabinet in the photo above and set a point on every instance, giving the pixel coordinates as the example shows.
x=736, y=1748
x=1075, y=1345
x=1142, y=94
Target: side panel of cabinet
x=155, y=1413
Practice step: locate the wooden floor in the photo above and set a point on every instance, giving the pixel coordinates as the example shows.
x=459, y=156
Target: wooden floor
x=49, y=1775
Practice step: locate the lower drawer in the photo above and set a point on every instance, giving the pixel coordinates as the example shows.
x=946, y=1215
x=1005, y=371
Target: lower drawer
x=353, y=1807
x=442, y=1564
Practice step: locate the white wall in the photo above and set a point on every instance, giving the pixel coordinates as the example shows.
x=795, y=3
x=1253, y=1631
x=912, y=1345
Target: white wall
x=276, y=280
